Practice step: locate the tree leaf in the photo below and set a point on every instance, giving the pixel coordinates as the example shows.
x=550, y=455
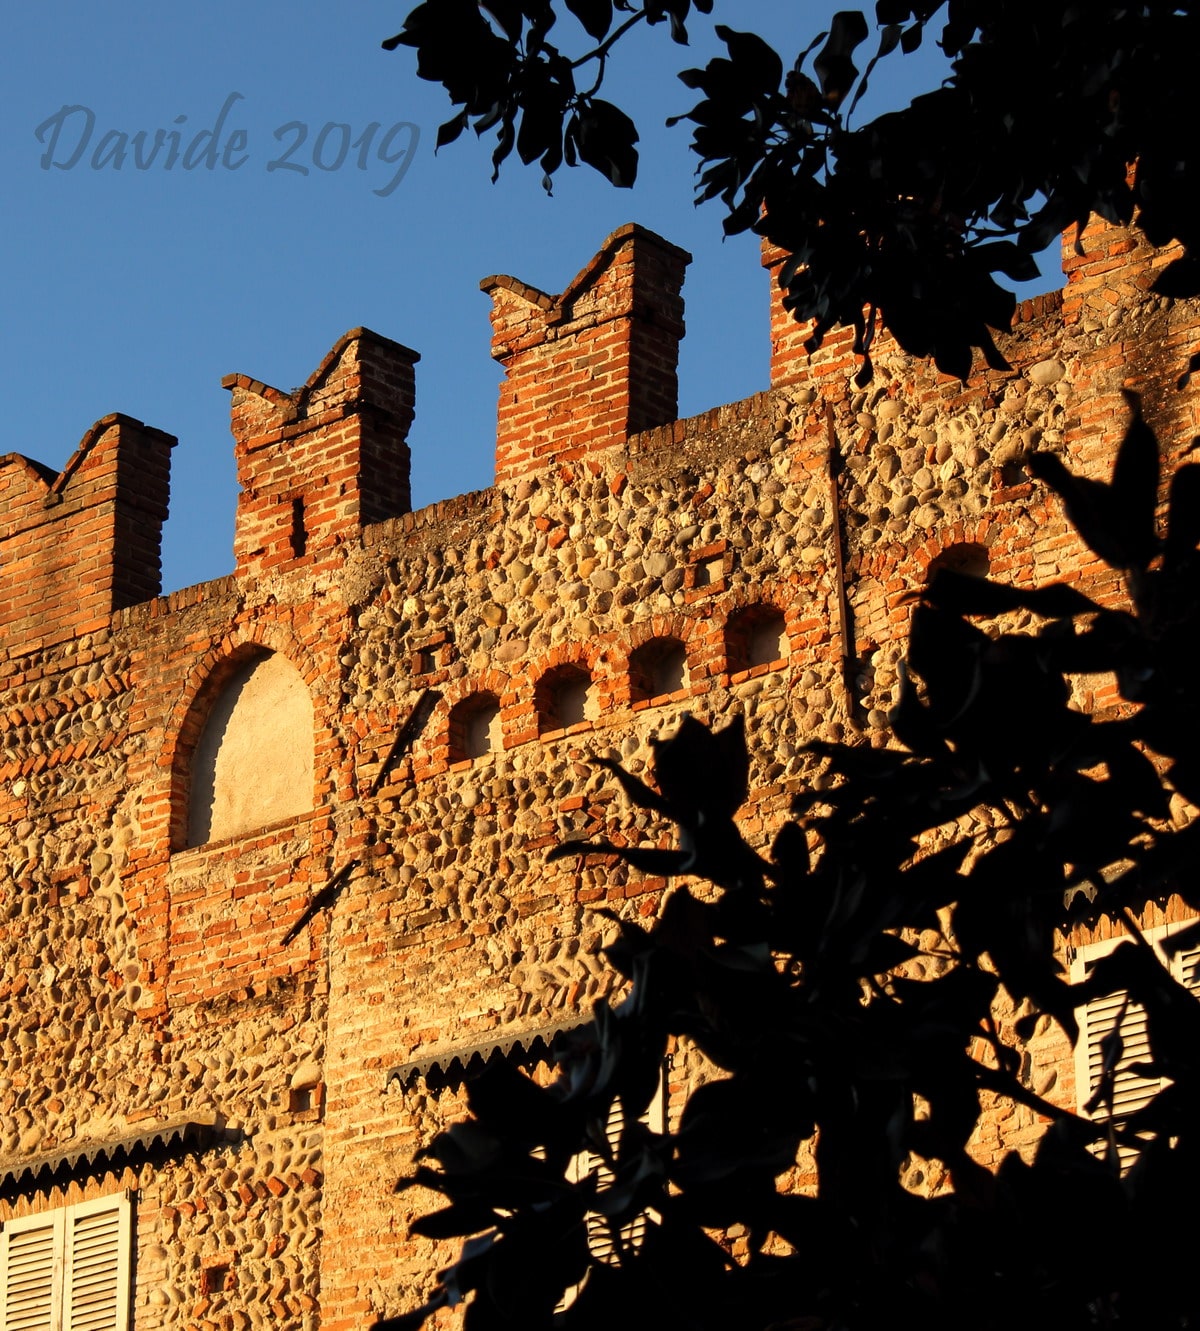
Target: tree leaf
x=962, y=594
x=833, y=65
x=604, y=139
x=454, y=1222
x=1183, y=513
x=595, y=16
x=1090, y=505
x=452, y=128
x=757, y=64
x=1005, y=257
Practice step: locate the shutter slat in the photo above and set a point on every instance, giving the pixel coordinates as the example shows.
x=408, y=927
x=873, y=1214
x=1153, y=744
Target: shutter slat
x=69, y=1269
x=1189, y=971
x=1130, y=1092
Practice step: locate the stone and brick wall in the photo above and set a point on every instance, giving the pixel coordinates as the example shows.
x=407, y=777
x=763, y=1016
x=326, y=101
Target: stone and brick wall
x=148, y=975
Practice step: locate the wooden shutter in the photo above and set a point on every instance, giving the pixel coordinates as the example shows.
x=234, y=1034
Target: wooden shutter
x=31, y=1273
x=606, y=1243
x=1130, y=1091
x=1186, y=968
x=96, y=1279
x=602, y=1242
x=1096, y=1021
x=68, y=1269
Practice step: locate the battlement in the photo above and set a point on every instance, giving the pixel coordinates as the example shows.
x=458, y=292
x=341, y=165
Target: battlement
x=590, y=370
x=78, y=544
x=317, y=465
x=593, y=365
x=268, y=837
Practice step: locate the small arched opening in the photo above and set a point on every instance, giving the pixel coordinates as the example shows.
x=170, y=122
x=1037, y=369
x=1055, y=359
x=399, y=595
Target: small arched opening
x=756, y=636
x=657, y=668
x=564, y=697
x=966, y=557
x=475, y=727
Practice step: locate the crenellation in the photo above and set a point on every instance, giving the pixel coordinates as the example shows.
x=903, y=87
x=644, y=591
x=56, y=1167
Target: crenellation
x=595, y=363
x=78, y=544
x=318, y=465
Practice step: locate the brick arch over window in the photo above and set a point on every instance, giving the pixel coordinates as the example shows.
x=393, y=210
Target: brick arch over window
x=965, y=547
x=969, y=557
x=251, y=760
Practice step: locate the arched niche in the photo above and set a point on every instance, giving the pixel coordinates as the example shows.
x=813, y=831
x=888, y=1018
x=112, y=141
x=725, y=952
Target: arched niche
x=657, y=668
x=253, y=760
x=475, y=727
x=564, y=697
x=967, y=557
x=756, y=636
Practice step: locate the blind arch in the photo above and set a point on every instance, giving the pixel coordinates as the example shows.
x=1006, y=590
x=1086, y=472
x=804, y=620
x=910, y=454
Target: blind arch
x=253, y=760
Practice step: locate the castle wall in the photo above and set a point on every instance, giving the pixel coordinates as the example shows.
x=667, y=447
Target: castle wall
x=150, y=975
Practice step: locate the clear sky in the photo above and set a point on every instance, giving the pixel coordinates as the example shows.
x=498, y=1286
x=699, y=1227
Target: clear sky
x=136, y=290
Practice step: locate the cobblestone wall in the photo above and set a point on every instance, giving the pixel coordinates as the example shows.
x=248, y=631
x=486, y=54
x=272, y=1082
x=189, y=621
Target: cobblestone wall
x=145, y=980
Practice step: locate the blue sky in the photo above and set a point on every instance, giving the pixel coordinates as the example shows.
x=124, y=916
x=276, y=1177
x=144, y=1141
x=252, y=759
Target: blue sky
x=137, y=290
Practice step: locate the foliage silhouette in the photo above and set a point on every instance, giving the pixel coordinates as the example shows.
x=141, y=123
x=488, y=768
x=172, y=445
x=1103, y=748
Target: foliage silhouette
x=839, y=984
x=908, y=218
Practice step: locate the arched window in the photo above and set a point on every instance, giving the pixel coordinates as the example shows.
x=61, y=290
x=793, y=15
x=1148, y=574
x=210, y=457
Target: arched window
x=564, y=697
x=475, y=727
x=756, y=636
x=253, y=761
x=656, y=668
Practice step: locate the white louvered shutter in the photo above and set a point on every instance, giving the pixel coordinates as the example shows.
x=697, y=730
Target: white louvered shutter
x=1187, y=968
x=31, y=1263
x=1130, y=1091
x=96, y=1279
x=601, y=1240
x=68, y=1269
x=604, y=1243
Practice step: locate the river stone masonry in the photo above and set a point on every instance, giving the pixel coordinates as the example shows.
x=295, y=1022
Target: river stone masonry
x=386, y=718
